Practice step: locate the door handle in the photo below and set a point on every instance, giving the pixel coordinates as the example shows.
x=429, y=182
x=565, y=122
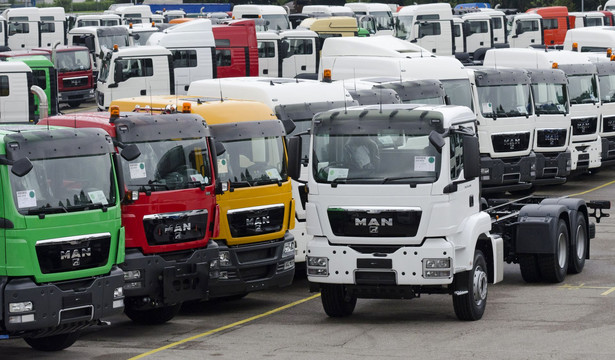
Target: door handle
x=265, y=71
x=303, y=67
x=144, y=92
x=481, y=43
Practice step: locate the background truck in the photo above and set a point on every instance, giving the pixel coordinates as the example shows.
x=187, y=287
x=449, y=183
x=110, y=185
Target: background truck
x=168, y=208
x=429, y=26
x=256, y=249
x=275, y=16
x=289, y=53
x=17, y=93
x=418, y=224
x=97, y=39
x=236, y=51
x=61, y=234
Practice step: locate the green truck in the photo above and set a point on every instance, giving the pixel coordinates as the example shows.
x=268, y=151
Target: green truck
x=60, y=233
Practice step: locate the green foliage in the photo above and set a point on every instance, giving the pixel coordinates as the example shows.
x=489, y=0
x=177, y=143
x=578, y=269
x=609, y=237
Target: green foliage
x=66, y=4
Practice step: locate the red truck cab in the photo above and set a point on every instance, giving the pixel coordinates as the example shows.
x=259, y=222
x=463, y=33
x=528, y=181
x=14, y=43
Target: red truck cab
x=556, y=23
x=236, y=49
x=169, y=209
x=75, y=70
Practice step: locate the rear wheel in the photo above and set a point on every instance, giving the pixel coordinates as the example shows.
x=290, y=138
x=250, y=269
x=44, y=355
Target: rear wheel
x=470, y=305
x=153, y=316
x=578, y=251
x=530, y=271
x=336, y=301
x=53, y=343
x=553, y=267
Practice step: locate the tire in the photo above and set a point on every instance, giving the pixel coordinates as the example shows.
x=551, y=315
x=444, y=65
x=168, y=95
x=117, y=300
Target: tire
x=336, y=301
x=471, y=305
x=54, y=342
x=553, y=267
x=74, y=104
x=154, y=316
x=530, y=270
x=578, y=251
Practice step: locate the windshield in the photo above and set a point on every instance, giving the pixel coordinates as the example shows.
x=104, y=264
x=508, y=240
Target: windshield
x=550, y=98
x=368, y=24
x=168, y=165
x=388, y=155
x=251, y=162
x=583, y=89
x=432, y=100
x=109, y=40
x=81, y=23
x=403, y=28
x=67, y=61
x=277, y=22
x=111, y=22
x=504, y=100
x=384, y=20
x=607, y=88
x=65, y=185
x=459, y=92
x=143, y=37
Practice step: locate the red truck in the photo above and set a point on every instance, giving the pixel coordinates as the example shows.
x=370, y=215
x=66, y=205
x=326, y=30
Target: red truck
x=556, y=23
x=169, y=209
x=236, y=49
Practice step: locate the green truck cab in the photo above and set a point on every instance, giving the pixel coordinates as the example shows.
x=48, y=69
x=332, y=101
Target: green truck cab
x=60, y=234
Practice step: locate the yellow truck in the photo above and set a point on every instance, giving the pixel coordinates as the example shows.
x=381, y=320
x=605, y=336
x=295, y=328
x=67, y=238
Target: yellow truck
x=254, y=196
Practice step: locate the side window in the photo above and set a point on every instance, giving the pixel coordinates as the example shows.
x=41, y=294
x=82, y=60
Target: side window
x=266, y=49
x=47, y=24
x=78, y=40
x=497, y=23
x=456, y=155
x=18, y=25
x=136, y=68
x=479, y=27
x=223, y=57
x=4, y=85
x=300, y=47
x=549, y=24
x=184, y=58
x=529, y=25
x=457, y=30
x=429, y=29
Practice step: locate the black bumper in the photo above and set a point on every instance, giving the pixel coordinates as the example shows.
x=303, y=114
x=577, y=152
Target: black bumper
x=171, y=279
x=58, y=307
x=254, y=267
x=76, y=95
x=508, y=174
x=608, y=151
x=552, y=168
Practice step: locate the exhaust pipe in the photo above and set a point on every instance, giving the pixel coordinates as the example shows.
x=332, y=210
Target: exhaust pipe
x=43, y=105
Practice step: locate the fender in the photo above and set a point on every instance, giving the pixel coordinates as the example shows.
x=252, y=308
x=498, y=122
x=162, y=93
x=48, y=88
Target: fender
x=537, y=228
x=574, y=205
x=472, y=229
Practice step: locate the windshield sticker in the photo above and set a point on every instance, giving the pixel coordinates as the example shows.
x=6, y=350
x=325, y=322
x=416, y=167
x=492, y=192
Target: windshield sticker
x=198, y=178
x=521, y=109
x=26, y=198
x=222, y=166
x=424, y=163
x=273, y=174
x=337, y=173
x=487, y=108
x=386, y=140
x=561, y=108
x=137, y=170
x=98, y=196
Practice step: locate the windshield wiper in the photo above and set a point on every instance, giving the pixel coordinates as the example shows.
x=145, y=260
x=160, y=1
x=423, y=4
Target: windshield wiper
x=240, y=184
x=268, y=182
x=417, y=180
x=47, y=210
x=91, y=206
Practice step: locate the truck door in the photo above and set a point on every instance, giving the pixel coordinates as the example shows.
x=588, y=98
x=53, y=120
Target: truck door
x=51, y=31
x=435, y=36
x=188, y=65
x=268, y=58
x=479, y=35
x=526, y=32
x=130, y=75
x=499, y=30
x=300, y=57
x=23, y=33
x=14, y=98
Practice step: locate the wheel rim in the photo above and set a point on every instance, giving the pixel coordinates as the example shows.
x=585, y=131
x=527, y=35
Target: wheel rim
x=561, y=250
x=479, y=285
x=580, y=242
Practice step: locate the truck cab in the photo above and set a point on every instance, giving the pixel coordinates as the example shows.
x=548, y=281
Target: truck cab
x=525, y=30
x=236, y=49
x=254, y=196
x=586, y=19
x=168, y=208
x=97, y=20
x=275, y=16
x=429, y=26
x=380, y=12
x=98, y=40
x=62, y=238
x=555, y=21
x=289, y=53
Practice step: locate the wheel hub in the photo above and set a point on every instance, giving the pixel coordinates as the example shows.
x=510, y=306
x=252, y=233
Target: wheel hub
x=479, y=285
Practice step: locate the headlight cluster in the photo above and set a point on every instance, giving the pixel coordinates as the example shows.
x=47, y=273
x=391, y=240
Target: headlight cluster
x=485, y=174
x=437, y=268
x=289, y=249
x=225, y=258
x=20, y=307
x=317, y=266
x=133, y=279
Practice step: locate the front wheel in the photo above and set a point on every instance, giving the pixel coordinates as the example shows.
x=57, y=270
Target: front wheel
x=553, y=267
x=53, y=343
x=153, y=316
x=578, y=251
x=336, y=301
x=471, y=301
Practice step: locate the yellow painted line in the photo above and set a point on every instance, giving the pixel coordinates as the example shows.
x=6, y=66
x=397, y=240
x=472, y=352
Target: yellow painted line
x=608, y=291
x=225, y=327
x=594, y=189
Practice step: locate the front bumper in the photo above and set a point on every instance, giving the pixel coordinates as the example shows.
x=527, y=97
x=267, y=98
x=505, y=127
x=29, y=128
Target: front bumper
x=59, y=307
x=501, y=174
x=168, y=279
x=254, y=267
x=608, y=150
x=552, y=168
x=586, y=155
x=76, y=95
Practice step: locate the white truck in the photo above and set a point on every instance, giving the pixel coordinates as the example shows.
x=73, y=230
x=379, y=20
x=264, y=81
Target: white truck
x=275, y=16
x=132, y=14
x=590, y=39
x=427, y=25
x=17, y=94
x=525, y=30
x=31, y=27
x=290, y=99
x=380, y=12
x=586, y=19
x=99, y=39
x=97, y=20
x=586, y=147
x=288, y=53
x=394, y=208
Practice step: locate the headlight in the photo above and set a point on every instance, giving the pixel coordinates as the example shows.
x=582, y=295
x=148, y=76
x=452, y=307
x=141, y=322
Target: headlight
x=437, y=263
x=20, y=307
x=289, y=249
x=118, y=293
x=484, y=174
x=225, y=258
x=132, y=275
x=317, y=266
x=437, y=268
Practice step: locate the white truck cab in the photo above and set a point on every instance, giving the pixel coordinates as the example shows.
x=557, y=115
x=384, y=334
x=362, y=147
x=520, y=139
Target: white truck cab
x=97, y=20
x=525, y=30
x=381, y=13
x=275, y=16
x=590, y=39
x=22, y=28
x=587, y=19
x=583, y=90
x=478, y=31
x=288, y=53
x=133, y=14
x=99, y=39
x=428, y=25
x=327, y=10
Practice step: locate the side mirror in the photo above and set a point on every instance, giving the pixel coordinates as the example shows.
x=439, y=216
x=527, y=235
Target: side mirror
x=519, y=29
x=289, y=126
x=89, y=43
x=136, y=36
x=220, y=149
x=21, y=167
x=118, y=75
x=293, y=146
x=471, y=157
x=130, y=152
x=437, y=140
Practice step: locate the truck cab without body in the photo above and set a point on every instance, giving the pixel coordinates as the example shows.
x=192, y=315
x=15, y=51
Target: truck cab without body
x=428, y=25
x=254, y=196
x=98, y=40
x=62, y=234
x=168, y=208
x=275, y=16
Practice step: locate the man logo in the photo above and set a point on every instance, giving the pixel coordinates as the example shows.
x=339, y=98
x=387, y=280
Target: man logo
x=373, y=222
x=75, y=255
x=373, y=229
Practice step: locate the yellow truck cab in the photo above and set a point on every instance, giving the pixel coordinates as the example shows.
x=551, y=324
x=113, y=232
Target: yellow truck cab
x=332, y=26
x=254, y=195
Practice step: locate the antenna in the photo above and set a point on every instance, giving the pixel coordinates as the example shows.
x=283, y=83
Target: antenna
x=400, y=81
x=354, y=78
x=344, y=93
x=151, y=101
x=220, y=87
x=380, y=100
